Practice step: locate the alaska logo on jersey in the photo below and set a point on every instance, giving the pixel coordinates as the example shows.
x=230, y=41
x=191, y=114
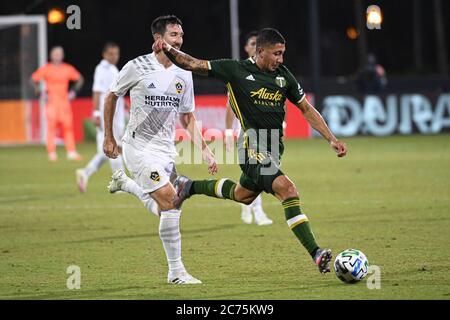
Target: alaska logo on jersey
x=178, y=87
x=155, y=176
x=264, y=97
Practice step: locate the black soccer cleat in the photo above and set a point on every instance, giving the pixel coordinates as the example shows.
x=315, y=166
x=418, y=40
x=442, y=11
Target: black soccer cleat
x=182, y=185
x=322, y=260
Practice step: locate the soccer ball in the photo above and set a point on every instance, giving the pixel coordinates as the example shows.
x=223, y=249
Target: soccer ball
x=351, y=266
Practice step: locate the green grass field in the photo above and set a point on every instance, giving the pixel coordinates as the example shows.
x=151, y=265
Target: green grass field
x=389, y=198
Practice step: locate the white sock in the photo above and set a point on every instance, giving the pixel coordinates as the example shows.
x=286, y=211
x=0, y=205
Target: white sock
x=132, y=187
x=169, y=233
x=245, y=208
x=95, y=164
x=257, y=203
x=116, y=164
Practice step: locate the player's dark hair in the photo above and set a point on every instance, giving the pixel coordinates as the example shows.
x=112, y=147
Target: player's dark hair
x=249, y=35
x=269, y=37
x=159, y=24
x=108, y=45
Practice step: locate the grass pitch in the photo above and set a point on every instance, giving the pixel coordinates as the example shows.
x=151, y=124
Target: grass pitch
x=389, y=198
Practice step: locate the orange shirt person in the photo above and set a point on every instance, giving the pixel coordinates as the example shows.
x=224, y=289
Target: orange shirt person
x=57, y=76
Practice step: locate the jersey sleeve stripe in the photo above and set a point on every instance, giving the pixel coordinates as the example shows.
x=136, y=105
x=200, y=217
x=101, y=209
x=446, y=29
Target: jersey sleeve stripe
x=303, y=98
x=236, y=107
x=142, y=63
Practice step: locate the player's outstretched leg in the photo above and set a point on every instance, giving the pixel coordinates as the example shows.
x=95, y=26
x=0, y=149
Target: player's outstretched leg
x=121, y=182
x=185, y=188
x=299, y=224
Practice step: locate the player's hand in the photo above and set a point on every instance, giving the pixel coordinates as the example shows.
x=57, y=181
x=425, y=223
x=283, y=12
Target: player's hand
x=208, y=157
x=339, y=147
x=96, y=118
x=97, y=121
x=37, y=92
x=110, y=148
x=159, y=45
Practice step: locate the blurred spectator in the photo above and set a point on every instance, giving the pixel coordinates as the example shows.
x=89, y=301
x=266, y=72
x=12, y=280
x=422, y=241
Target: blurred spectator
x=371, y=79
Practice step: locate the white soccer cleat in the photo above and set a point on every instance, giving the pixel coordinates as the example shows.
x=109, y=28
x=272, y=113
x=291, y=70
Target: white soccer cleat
x=261, y=219
x=52, y=156
x=82, y=180
x=74, y=156
x=182, y=278
x=117, y=180
x=246, y=214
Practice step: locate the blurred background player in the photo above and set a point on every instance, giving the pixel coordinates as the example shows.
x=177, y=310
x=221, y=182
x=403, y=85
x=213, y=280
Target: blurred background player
x=57, y=75
x=105, y=73
x=255, y=208
x=371, y=78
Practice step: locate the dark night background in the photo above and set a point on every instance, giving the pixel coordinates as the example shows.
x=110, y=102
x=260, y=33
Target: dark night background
x=207, y=33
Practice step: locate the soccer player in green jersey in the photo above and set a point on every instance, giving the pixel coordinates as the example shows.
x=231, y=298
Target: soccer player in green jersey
x=258, y=89
x=255, y=209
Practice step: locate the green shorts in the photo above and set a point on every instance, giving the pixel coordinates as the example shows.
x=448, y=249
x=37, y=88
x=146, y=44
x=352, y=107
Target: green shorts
x=258, y=175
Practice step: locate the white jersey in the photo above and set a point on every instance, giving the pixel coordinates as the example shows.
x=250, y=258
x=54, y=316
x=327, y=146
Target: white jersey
x=104, y=75
x=157, y=96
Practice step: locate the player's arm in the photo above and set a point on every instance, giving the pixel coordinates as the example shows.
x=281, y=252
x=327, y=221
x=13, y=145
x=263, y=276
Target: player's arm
x=189, y=122
x=125, y=81
x=110, y=147
x=318, y=123
x=96, y=106
x=99, y=86
x=76, y=87
x=36, y=79
x=78, y=84
x=182, y=59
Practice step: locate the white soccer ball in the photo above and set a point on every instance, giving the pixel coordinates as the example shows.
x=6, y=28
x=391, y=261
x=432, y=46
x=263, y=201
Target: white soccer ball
x=351, y=266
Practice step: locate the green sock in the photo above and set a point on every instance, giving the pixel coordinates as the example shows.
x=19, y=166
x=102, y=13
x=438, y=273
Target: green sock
x=299, y=224
x=223, y=188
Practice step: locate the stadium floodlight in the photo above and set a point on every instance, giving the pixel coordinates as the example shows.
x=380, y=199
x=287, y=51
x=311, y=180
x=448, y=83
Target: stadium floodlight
x=352, y=33
x=55, y=16
x=374, y=17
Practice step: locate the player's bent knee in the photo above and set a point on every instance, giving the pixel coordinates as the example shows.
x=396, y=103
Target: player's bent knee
x=244, y=197
x=286, y=189
x=291, y=191
x=165, y=198
x=247, y=201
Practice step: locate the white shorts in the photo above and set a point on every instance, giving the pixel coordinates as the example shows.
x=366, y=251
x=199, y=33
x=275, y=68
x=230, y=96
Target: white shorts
x=151, y=170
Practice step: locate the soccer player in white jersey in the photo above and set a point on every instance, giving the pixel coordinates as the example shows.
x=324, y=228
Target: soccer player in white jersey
x=160, y=92
x=105, y=73
x=255, y=208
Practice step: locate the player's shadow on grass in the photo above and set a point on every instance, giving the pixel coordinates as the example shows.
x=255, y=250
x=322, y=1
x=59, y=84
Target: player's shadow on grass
x=155, y=234
x=300, y=288
x=69, y=294
x=26, y=198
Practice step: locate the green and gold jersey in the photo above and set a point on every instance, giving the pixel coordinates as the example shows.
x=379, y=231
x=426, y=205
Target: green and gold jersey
x=258, y=98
